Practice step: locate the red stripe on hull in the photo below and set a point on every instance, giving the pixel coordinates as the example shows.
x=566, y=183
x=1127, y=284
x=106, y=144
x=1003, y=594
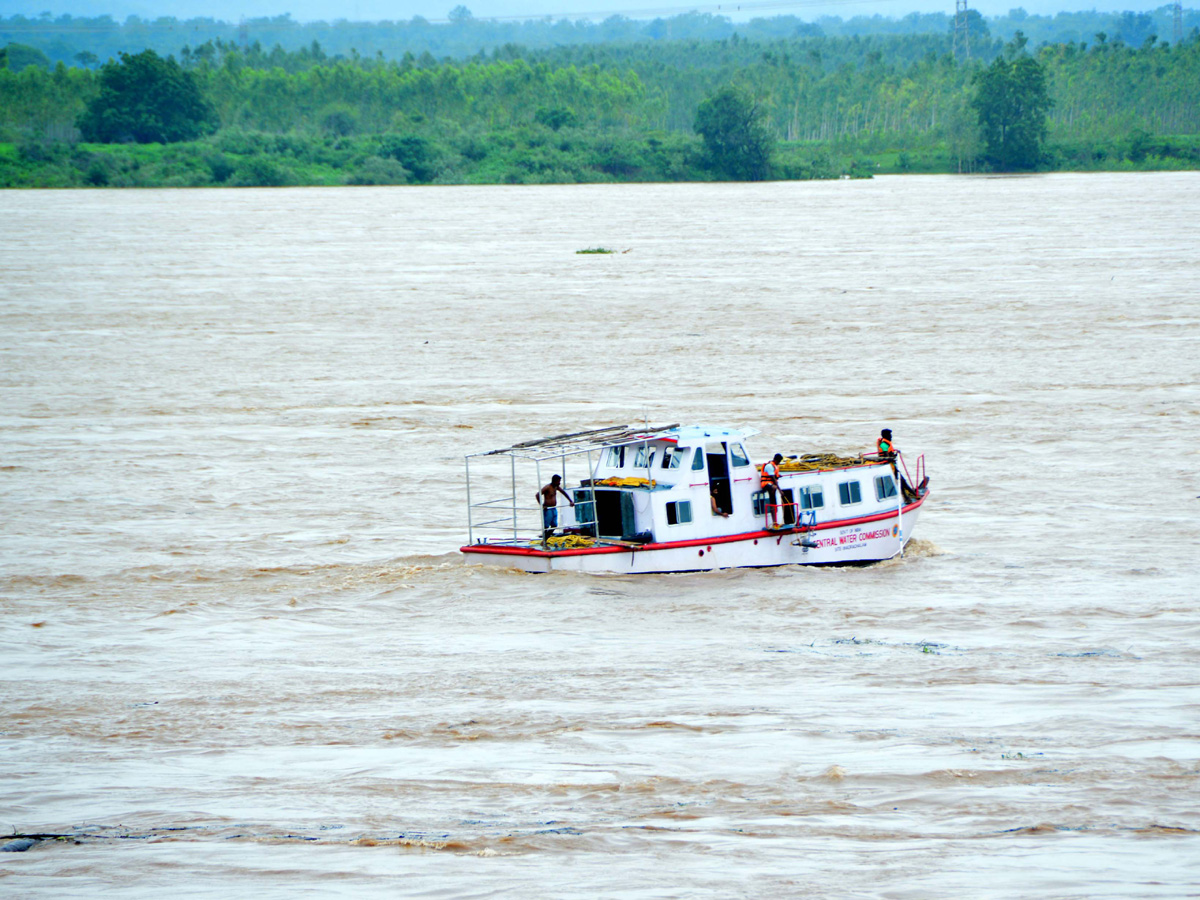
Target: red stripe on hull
x=500, y=549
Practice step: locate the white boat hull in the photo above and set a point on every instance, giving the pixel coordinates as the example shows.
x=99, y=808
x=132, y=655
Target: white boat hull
x=866, y=539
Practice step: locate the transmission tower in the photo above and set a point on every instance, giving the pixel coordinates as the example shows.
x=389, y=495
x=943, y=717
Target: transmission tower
x=962, y=33
x=1177, y=9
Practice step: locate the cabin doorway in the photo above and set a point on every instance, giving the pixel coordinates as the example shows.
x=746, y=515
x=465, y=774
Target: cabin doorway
x=718, y=476
x=615, y=517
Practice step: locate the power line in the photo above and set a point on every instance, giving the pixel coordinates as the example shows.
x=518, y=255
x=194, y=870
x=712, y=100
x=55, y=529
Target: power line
x=656, y=12
x=639, y=13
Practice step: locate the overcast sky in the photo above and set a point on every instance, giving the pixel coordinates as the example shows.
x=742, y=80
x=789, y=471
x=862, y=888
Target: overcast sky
x=358, y=10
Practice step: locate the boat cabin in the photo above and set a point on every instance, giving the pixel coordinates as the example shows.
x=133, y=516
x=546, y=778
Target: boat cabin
x=672, y=484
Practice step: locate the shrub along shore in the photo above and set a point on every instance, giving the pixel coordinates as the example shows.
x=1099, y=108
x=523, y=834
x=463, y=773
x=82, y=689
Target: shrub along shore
x=241, y=159
x=799, y=108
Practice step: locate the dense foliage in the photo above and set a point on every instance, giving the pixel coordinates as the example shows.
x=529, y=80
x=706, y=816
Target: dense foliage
x=147, y=99
x=65, y=38
x=19, y=56
x=1012, y=102
x=736, y=142
x=607, y=112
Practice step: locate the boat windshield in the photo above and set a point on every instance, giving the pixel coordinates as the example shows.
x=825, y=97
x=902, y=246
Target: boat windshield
x=673, y=457
x=644, y=458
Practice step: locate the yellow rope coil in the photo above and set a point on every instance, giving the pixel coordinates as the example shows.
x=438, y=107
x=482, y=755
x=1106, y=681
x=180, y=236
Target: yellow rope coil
x=569, y=542
x=813, y=462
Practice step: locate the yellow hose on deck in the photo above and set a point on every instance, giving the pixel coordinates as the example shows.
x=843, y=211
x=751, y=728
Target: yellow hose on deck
x=813, y=462
x=569, y=541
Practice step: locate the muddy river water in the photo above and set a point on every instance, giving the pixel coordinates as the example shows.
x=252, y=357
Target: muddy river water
x=240, y=654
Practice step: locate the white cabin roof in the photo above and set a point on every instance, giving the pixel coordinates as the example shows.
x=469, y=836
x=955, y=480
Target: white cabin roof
x=614, y=436
x=696, y=433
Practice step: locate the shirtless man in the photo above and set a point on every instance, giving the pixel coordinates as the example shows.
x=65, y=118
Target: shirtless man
x=548, y=498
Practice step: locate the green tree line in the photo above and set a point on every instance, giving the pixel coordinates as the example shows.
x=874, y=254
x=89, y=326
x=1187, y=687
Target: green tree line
x=827, y=106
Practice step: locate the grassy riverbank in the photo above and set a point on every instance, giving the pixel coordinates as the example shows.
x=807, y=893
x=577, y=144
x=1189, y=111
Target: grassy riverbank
x=246, y=160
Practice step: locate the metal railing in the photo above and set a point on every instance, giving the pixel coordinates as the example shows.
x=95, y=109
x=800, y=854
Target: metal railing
x=506, y=515
x=771, y=514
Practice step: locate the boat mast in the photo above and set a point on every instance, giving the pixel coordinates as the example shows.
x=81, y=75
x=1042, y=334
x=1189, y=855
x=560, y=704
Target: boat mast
x=470, y=530
x=646, y=444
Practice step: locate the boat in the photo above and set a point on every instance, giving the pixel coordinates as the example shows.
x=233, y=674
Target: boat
x=684, y=498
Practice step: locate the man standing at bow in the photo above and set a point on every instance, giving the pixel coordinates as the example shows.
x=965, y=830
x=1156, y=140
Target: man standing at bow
x=769, y=482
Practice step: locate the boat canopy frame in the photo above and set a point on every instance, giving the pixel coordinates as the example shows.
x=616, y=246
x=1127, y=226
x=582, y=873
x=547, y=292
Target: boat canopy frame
x=558, y=448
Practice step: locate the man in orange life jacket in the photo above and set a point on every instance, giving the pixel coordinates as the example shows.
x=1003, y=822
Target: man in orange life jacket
x=887, y=450
x=769, y=482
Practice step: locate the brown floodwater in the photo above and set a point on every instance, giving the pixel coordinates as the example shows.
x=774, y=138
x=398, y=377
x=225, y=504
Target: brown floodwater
x=240, y=654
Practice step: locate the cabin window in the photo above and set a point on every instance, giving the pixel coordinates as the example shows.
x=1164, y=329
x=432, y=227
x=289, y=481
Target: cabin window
x=849, y=492
x=885, y=486
x=679, y=512
x=644, y=458
x=759, y=498
x=698, y=460
x=616, y=457
x=812, y=497
x=673, y=457
x=738, y=455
